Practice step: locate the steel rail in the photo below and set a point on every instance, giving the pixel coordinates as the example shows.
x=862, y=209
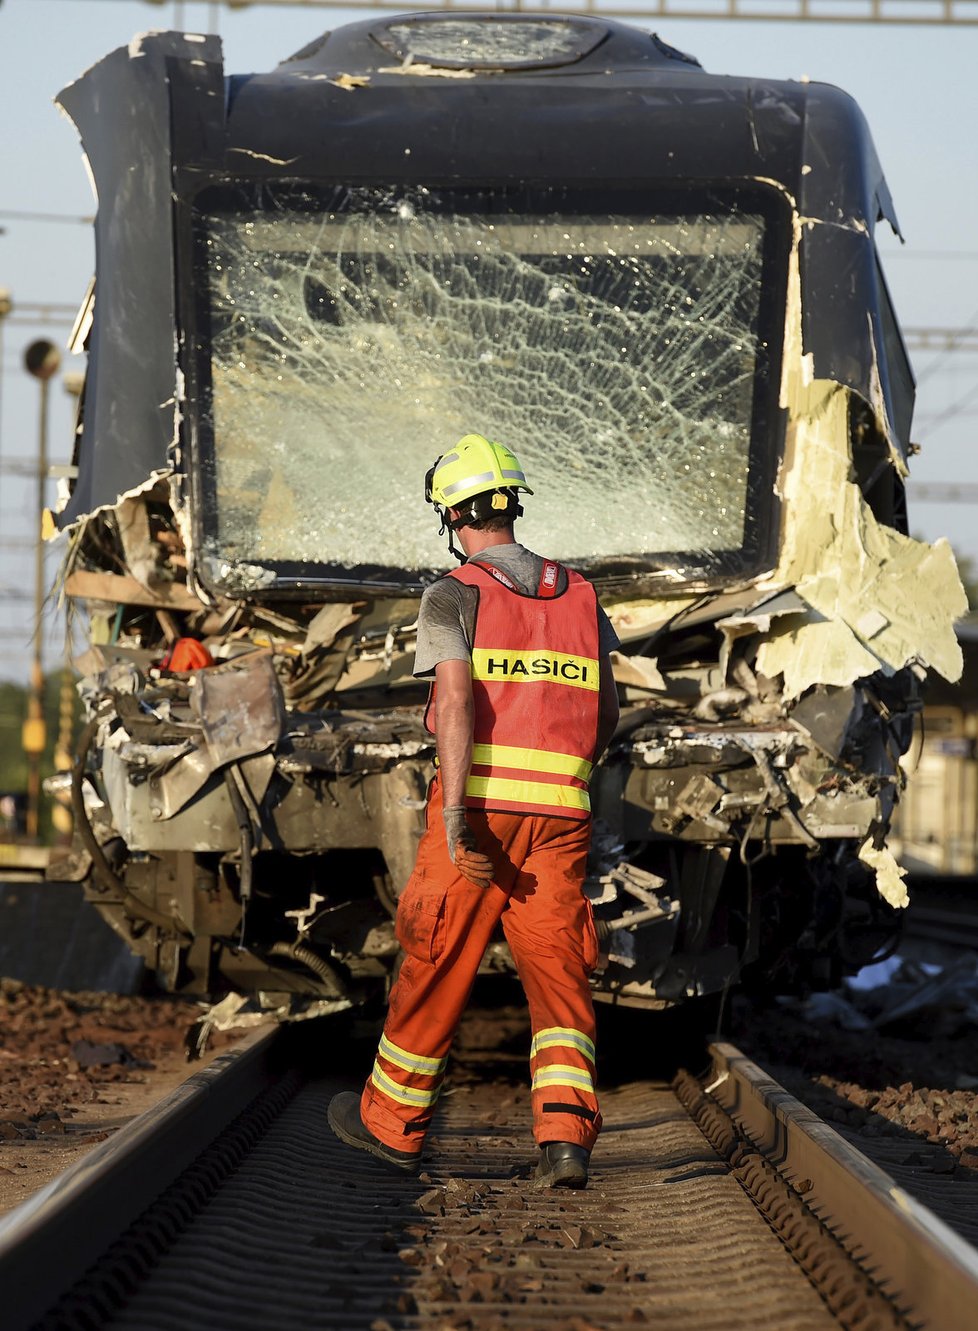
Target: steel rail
x=930, y=1273
x=49, y=1242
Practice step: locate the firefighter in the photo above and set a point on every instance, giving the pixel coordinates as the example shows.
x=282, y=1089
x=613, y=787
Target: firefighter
x=522, y=705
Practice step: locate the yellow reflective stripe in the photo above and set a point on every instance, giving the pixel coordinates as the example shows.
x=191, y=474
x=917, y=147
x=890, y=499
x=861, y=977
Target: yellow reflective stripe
x=562, y=1074
x=530, y=760
x=404, y=1094
x=410, y=1062
x=527, y=792
x=538, y=665
x=555, y=1036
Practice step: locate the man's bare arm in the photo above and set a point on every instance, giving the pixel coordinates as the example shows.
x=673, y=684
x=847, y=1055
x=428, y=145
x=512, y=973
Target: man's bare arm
x=454, y=715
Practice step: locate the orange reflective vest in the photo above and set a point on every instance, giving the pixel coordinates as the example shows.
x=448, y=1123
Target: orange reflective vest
x=535, y=682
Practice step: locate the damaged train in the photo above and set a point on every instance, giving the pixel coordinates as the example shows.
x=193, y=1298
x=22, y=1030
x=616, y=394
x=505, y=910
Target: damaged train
x=660, y=287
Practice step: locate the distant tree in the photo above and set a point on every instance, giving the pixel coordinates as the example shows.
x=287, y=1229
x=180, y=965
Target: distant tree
x=13, y=764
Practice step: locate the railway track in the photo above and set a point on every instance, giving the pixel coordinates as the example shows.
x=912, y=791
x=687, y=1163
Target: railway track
x=715, y=1203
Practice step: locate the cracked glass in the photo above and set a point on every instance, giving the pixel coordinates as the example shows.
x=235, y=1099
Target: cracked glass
x=484, y=42
x=349, y=337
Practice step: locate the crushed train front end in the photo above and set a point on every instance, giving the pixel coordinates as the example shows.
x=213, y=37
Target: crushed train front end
x=661, y=288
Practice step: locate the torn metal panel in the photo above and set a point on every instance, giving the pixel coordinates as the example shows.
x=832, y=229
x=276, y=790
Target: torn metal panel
x=239, y=707
x=640, y=671
x=121, y=108
x=827, y=714
x=840, y=273
x=635, y=618
x=877, y=600
x=755, y=621
x=170, y=787
x=121, y=589
x=839, y=207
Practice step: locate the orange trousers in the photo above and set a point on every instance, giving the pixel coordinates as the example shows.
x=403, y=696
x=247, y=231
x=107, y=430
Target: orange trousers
x=444, y=925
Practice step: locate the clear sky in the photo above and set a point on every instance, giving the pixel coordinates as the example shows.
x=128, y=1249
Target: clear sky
x=916, y=85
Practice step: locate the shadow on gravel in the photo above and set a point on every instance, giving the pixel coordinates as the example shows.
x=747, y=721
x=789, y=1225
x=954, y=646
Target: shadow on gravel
x=634, y=1044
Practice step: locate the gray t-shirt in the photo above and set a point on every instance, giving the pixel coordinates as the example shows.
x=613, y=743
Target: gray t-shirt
x=446, y=619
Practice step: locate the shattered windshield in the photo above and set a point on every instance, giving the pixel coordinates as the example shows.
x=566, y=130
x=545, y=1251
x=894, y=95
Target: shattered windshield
x=350, y=336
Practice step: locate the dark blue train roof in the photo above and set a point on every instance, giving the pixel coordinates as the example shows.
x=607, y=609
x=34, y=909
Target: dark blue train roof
x=436, y=102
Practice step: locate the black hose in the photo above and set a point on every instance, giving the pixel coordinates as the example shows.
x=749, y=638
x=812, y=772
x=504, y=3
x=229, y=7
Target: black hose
x=110, y=879
x=312, y=961
x=247, y=839
x=385, y=893
x=242, y=818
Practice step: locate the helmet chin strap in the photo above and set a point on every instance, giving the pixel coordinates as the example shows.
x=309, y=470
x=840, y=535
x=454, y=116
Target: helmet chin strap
x=452, y=527
x=466, y=518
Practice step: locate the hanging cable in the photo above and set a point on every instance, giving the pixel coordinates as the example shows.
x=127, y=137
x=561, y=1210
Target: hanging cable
x=247, y=847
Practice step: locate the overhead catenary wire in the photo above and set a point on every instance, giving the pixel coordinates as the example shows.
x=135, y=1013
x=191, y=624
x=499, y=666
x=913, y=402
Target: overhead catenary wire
x=954, y=342
x=889, y=13
x=26, y=215
x=958, y=408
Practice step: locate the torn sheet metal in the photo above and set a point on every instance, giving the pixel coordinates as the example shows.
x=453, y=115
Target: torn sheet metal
x=828, y=715
x=840, y=348
x=239, y=707
x=122, y=110
x=639, y=671
x=876, y=600
x=638, y=617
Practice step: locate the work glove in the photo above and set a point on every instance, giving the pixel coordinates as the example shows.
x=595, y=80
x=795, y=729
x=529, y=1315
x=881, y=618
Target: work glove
x=469, y=861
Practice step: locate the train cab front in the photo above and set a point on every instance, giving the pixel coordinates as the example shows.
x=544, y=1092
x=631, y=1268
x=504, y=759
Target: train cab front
x=562, y=232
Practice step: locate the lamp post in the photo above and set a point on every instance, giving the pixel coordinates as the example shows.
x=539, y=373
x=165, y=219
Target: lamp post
x=41, y=360
x=61, y=816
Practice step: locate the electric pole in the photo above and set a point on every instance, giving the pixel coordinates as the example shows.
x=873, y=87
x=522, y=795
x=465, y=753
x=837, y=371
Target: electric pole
x=41, y=360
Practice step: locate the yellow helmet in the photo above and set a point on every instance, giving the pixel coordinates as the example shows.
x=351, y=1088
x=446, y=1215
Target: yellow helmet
x=475, y=465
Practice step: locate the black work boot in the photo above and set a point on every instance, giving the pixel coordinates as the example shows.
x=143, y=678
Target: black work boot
x=344, y=1118
x=562, y=1165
